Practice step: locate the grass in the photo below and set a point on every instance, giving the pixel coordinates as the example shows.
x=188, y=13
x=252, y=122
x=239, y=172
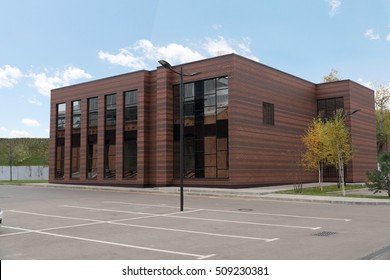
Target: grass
x=17, y=182
x=333, y=190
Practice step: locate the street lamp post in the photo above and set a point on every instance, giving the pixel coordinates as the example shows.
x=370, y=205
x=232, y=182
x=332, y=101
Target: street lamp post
x=168, y=66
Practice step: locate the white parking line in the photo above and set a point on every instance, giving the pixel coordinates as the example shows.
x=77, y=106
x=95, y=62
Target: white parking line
x=246, y=223
x=197, y=256
x=198, y=232
x=53, y=216
x=111, y=210
x=173, y=215
x=237, y=212
x=118, y=222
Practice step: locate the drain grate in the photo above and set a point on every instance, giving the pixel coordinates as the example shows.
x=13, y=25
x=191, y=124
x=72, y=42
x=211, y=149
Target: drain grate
x=245, y=210
x=325, y=233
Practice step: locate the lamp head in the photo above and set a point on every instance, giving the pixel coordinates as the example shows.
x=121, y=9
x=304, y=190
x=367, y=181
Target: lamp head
x=165, y=64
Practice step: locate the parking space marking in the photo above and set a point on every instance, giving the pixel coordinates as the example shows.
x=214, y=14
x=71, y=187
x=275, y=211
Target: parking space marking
x=246, y=223
x=237, y=212
x=199, y=232
x=111, y=210
x=280, y=215
x=21, y=231
x=141, y=204
x=197, y=256
x=118, y=222
x=173, y=215
x=53, y=216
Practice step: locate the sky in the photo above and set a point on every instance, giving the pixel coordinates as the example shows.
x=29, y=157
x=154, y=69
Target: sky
x=47, y=44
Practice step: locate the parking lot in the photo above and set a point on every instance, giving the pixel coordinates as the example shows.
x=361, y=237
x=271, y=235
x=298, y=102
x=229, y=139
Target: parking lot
x=63, y=223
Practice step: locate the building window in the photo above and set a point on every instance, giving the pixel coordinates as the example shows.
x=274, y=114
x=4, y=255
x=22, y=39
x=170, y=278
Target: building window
x=60, y=141
x=130, y=134
x=268, y=114
x=92, y=138
x=327, y=108
x=110, y=137
x=206, y=137
x=75, y=140
x=61, y=111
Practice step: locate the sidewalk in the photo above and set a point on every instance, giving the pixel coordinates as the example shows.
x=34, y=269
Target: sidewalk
x=263, y=193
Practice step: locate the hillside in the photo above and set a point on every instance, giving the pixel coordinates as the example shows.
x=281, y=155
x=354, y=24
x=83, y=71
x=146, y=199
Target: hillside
x=27, y=151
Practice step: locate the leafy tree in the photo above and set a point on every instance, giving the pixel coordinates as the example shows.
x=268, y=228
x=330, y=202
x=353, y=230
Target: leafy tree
x=332, y=76
x=337, y=145
x=382, y=98
x=314, y=155
x=379, y=180
x=16, y=152
x=327, y=143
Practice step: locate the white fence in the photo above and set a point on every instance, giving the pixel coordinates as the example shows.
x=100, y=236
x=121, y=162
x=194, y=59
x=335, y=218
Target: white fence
x=25, y=173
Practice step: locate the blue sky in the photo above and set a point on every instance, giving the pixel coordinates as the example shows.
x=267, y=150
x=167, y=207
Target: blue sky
x=46, y=44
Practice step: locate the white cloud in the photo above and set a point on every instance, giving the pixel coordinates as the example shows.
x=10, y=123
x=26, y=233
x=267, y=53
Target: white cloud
x=221, y=46
x=123, y=58
x=371, y=34
x=388, y=37
x=31, y=122
x=45, y=83
x=9, y=76
x=19, y=134
x=137, y=56
x=334, y=6
x=218, y=46
x=144, y=54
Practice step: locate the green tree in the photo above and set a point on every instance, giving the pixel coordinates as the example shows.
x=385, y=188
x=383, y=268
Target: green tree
x=382, y=98
x=337, y=145
x=17, y=151
x=379, y=180
x=314, y=154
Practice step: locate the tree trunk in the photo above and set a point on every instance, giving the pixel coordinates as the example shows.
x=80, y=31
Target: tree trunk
x=341, y=171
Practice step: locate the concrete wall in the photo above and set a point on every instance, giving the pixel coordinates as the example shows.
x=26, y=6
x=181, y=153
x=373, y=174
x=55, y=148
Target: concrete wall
x=25, y=173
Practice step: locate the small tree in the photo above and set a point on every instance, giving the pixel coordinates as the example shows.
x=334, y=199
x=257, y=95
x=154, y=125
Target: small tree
x=17, y=151
x=333, y=76
x=379, y=180
x=337, y=145
x=314, y=155
x=382, y=99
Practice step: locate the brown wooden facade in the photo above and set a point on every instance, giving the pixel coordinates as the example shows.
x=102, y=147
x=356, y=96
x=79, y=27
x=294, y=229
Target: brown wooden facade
x=258, y=153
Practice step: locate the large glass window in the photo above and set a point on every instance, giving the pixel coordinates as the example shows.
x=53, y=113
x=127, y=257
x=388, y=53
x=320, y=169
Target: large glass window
x=206, y=137
x=92, y=138
x=60, y=141
x=327, y=108
x=75, y=140
x=110, y=137
x=130, y=134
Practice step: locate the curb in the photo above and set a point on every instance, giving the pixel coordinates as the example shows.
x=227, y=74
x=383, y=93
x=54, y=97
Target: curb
x=258, y=193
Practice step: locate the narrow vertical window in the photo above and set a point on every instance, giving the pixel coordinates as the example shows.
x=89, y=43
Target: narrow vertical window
x=92, y=138
x=75, y=140
x=60, y=141
x=110, y=137
x=268, y=114
x=130, y=134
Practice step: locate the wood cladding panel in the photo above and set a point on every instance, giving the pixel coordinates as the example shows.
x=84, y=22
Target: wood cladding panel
x=258, y=154
x=258, y=150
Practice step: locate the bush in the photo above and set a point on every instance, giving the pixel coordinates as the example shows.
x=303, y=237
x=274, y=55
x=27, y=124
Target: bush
x=379, y=180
